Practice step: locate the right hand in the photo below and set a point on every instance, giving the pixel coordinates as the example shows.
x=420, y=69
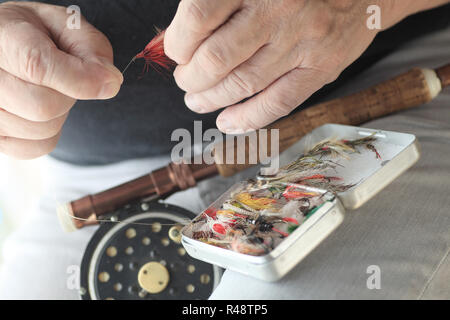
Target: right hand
x=44, y=68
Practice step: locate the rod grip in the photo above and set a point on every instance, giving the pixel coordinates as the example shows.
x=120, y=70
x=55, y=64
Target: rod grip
x=408, y=90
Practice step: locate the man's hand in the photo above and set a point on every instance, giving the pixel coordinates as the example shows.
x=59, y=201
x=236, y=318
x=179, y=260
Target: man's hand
x=275, y=52
x=44, y=68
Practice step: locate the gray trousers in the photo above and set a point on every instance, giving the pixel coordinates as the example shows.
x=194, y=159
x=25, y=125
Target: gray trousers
x=404, y=232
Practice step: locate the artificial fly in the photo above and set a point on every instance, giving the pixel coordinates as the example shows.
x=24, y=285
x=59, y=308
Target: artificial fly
x=255, y=217
x=154, y=56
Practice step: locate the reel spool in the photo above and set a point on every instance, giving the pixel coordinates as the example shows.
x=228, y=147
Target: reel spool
x=141, y=258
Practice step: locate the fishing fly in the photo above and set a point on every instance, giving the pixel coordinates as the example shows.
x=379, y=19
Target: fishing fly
x=154, y=55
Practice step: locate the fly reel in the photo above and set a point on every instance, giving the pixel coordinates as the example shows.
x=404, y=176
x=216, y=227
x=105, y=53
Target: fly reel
x=141, y=258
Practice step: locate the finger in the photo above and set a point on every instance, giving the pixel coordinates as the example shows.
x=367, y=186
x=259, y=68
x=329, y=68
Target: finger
x=34, y=103
x=194, y=21
x=16, y=127
x=78, y=66
x=27, y=149
x=231, y=45
x=254, y=75
x=277, y=101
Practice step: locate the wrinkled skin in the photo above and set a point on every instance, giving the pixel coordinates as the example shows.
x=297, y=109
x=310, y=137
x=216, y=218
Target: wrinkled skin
x=44, y=68
x=279, y=52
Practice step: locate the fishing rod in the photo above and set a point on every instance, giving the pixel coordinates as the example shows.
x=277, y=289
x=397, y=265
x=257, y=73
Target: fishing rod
x=411, y=89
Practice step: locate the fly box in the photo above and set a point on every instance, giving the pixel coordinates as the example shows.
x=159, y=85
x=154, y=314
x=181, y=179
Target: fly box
x=265, y=226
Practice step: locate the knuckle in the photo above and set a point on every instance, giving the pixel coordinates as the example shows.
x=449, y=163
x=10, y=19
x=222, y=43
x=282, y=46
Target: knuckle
x=195, y=13
x=212, y=60
x=48, y=107
x=48, y=130
x=322, y=25
x=169, y=43
x=42, y=113
x=237, y=86
x=171, y=50
x=278, y=105
x=34, y=65
x=298, y=56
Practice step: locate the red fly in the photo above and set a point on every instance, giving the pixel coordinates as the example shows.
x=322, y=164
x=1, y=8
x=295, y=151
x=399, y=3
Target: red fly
x=154, y=55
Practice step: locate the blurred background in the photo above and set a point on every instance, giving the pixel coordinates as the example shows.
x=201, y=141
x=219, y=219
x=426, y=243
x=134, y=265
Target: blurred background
x=20, y=189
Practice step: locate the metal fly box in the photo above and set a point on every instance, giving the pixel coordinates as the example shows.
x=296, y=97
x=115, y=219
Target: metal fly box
x=264, y=227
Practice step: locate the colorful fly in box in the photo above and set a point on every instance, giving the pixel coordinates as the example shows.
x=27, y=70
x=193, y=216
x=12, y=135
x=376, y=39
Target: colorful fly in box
x=264, y=226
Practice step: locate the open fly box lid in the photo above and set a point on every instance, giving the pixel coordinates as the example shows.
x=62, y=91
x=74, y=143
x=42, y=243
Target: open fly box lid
x=366, y=172
x=398, y=152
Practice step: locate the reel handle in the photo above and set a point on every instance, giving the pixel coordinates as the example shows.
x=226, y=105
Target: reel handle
x=411, y=89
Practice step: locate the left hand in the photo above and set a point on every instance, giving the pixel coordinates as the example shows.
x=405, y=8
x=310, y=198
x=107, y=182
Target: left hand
x=279, y=52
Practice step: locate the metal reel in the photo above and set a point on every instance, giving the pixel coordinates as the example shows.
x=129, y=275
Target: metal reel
x=134, y=260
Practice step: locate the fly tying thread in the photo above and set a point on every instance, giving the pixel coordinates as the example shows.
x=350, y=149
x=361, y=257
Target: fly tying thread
x=186, y=222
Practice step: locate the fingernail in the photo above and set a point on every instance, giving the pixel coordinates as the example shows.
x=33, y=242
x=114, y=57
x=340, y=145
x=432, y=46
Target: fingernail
x=191, y=103
x=229, y=128
x=109, y=90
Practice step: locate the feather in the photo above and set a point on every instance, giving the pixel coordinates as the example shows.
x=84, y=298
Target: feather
x=154, y=55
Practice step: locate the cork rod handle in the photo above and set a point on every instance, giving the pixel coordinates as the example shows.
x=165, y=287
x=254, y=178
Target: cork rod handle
x=408, y=90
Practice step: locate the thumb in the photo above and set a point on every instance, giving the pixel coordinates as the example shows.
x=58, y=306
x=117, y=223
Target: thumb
x=77, y=63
